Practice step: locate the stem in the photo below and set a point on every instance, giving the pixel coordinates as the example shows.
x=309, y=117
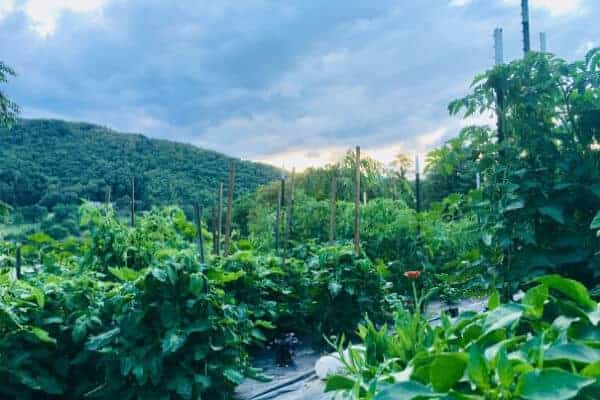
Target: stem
x=417, y=305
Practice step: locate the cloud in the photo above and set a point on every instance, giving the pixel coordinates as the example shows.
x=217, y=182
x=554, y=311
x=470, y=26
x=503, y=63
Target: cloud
x=43, y=15
x=6, y=7
x=556, y=8
x=296, y=80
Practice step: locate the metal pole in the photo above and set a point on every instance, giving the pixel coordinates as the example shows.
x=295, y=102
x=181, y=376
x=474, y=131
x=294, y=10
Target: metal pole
x=525, y=17
x=543, y=42
x=498, y=46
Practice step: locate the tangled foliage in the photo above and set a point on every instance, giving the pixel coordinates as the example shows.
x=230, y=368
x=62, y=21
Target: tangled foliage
x=131, y=312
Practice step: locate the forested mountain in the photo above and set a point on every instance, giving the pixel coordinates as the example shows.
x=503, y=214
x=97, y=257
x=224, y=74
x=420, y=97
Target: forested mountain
x=49, y=162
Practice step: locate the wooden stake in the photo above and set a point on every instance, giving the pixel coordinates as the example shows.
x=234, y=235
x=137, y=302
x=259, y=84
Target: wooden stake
x=229, y=207
x=332, y=210
x=357, y=203
x=133, y=201
x=198, y=218
x=214, y=229
x=417, y=184
x=18, y=262
x=290, y=211
x=219, y=218
x=278, y=213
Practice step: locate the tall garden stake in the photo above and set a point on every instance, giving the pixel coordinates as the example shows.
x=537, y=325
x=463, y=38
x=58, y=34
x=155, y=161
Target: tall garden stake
x=214, y=229
x=278, y=214
x=290, y=210
x=219, y=219
x=357, y=203
x=198, y=221
x=229, y=207
x=332, y=209
x=18, y=262
x=133, y=201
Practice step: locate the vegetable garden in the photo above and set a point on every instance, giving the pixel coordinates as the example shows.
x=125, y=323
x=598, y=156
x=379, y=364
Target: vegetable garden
x=136, y=311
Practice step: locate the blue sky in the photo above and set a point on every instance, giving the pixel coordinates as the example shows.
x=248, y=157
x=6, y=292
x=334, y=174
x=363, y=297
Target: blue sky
x=286, y=82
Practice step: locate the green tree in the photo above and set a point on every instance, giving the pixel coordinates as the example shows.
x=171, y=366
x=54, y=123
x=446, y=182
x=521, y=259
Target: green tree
x=8, y=109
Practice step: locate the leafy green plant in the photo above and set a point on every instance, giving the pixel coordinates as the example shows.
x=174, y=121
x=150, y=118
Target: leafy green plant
x=544, y=347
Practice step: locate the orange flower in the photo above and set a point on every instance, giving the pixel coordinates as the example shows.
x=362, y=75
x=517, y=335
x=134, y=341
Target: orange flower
x=412, y=275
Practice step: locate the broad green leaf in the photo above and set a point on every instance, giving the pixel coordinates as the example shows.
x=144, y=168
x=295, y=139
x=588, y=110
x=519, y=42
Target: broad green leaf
x=406, y=391
x=574, y=352
x=570, y=288
x=551, y=383
x=534, y=300
x=257, y=334
x=515, y=205
x=201, y=325
x=159, y=274
x=42, y=335
x=101, y=340
x=339, y=382
x=554, y=212
x=79, y=331
x=222, y=277
x=38, y=296
x=477, y=369
x=446, y=370
x=125, y=274
x=172, y=342
x=233, y=376
x=197, y=285
x=506, y=374
x=592, y=370
x=502, y=317
x=494, y=300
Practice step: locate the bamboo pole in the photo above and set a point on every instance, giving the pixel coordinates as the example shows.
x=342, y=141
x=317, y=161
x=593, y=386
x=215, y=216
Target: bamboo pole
x=219, y=219
x=278, y=213
x=214, y=229
x=18, y=262
x=229, y=207
x=132, y=201
x=357, y=203
x=290, y=211
x=198, y=221
x=417, y=184
x=332, y=210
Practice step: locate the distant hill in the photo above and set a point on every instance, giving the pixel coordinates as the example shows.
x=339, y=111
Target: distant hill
x=50, y=162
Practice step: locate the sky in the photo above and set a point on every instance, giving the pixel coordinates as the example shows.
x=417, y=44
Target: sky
x=290, y=82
